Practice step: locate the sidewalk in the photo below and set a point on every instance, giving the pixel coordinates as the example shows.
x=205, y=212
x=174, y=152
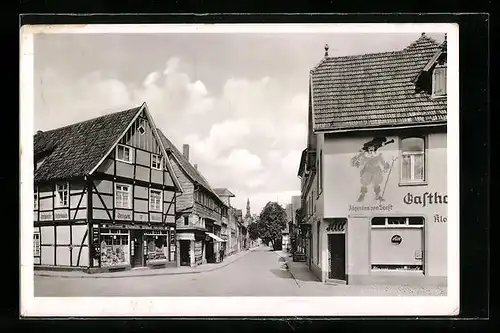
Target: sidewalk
x=298, y=270
x=147, y=271
x=312, y=286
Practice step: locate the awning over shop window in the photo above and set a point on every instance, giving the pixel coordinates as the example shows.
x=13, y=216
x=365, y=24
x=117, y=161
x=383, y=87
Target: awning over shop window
x=214, y=237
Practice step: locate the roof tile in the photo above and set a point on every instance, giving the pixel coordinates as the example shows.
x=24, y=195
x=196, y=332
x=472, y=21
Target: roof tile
x=74, y=150
x=374, y=89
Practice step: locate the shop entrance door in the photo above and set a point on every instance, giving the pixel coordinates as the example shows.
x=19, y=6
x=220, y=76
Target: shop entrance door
x=184, y=252
x=137, y=257
x=336, y=246
x=210, y=255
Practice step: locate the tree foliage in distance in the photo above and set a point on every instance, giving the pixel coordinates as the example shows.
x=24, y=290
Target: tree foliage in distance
x=253, y=231
x=272, y=220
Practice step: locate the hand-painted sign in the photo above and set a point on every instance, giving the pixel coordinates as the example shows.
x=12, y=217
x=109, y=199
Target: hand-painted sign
x=121, y=215
x=425, y=199
x=372, y=167
x=367, y=208
x=440, y=218
x=396, y=239
x=141, y=217
x=61, y=215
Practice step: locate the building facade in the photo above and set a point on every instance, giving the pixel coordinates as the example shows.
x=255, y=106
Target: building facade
x=228, y=224
x=374, y=171
x=105, y=195
x=199, y=211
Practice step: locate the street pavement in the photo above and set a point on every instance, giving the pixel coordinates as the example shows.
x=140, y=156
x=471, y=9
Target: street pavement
x=260, y=272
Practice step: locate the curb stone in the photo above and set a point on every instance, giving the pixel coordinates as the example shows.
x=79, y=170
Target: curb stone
x=92, y=276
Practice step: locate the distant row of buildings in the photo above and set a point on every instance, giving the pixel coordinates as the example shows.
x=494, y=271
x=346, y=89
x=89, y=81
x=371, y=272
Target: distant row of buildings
x=374, y=173
x=113, y=192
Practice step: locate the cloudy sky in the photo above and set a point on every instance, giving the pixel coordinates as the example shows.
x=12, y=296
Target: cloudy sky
x=238, y=100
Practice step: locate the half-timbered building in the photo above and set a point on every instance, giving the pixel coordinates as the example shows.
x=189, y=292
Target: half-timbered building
x=105, y=195
x=200, y=211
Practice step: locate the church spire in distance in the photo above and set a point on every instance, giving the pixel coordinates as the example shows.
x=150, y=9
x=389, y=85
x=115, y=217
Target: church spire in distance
x=248, y=208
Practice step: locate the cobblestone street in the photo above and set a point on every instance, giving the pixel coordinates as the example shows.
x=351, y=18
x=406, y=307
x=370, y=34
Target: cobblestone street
x=257, y=273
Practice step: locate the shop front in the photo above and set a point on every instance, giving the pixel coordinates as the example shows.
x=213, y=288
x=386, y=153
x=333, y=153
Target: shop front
x=122, y=247
x=191, y=247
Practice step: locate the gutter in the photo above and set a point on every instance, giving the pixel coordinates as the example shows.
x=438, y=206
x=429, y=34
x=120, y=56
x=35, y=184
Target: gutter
x=357, y=129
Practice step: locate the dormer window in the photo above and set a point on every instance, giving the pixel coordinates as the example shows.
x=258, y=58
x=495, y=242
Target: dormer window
x=439, y=81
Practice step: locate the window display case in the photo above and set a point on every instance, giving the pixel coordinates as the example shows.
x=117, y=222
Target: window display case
x=156, y=247
x=114, y=248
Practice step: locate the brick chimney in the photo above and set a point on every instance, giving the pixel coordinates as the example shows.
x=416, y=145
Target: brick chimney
x=185, y=151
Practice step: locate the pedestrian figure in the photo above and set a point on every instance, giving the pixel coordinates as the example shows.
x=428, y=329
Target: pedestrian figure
x=372, y=166
x=221, y=253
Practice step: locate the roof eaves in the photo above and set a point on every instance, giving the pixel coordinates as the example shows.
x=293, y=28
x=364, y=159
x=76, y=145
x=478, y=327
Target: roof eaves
x=382, y=127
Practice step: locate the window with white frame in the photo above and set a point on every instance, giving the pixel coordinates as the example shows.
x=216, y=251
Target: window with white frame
x=123, y=196
x=156, y=162
x=62, y=195
x=397, y=221
x=397, y=243
x=439, y=81
x=36, y=244
x=412, y=160
x=124, y=153
x=35, y=197
x=155, y=200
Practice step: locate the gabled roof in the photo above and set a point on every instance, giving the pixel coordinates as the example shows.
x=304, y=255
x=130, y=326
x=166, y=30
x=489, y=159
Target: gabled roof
x=373, y=90
x=78, y=149
x=186, y=166
x=223, y=192
x=74, y=150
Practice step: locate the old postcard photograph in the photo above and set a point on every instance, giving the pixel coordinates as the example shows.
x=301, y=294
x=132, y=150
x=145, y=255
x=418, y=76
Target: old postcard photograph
x=239, y=170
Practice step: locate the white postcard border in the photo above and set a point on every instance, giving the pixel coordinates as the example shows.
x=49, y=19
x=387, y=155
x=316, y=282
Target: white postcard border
x=236, y=306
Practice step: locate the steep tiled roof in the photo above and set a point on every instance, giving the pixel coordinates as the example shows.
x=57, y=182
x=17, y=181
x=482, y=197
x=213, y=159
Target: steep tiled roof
x=223, y=192
x=74, y=150
x=188, y=168
x=374, y=90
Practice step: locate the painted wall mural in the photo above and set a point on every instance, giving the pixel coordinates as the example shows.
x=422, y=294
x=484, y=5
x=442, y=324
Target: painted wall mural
x=373, y=167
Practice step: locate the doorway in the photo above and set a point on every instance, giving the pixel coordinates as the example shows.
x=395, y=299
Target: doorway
x=184, y=252
x=336, y=247
x=137, y=257
x=210, y=255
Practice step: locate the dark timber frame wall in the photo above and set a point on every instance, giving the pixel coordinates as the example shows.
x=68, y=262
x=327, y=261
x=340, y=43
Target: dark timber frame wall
x=64, y=225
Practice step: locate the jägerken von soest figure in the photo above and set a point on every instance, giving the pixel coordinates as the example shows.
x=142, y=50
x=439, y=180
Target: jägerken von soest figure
x=373, y=166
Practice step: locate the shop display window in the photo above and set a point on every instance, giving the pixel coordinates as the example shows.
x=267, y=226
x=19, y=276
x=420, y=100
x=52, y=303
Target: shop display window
x=156, y=245
x=114, y=249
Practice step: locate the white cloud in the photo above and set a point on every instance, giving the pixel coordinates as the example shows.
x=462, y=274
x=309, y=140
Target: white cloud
x=151, y=79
